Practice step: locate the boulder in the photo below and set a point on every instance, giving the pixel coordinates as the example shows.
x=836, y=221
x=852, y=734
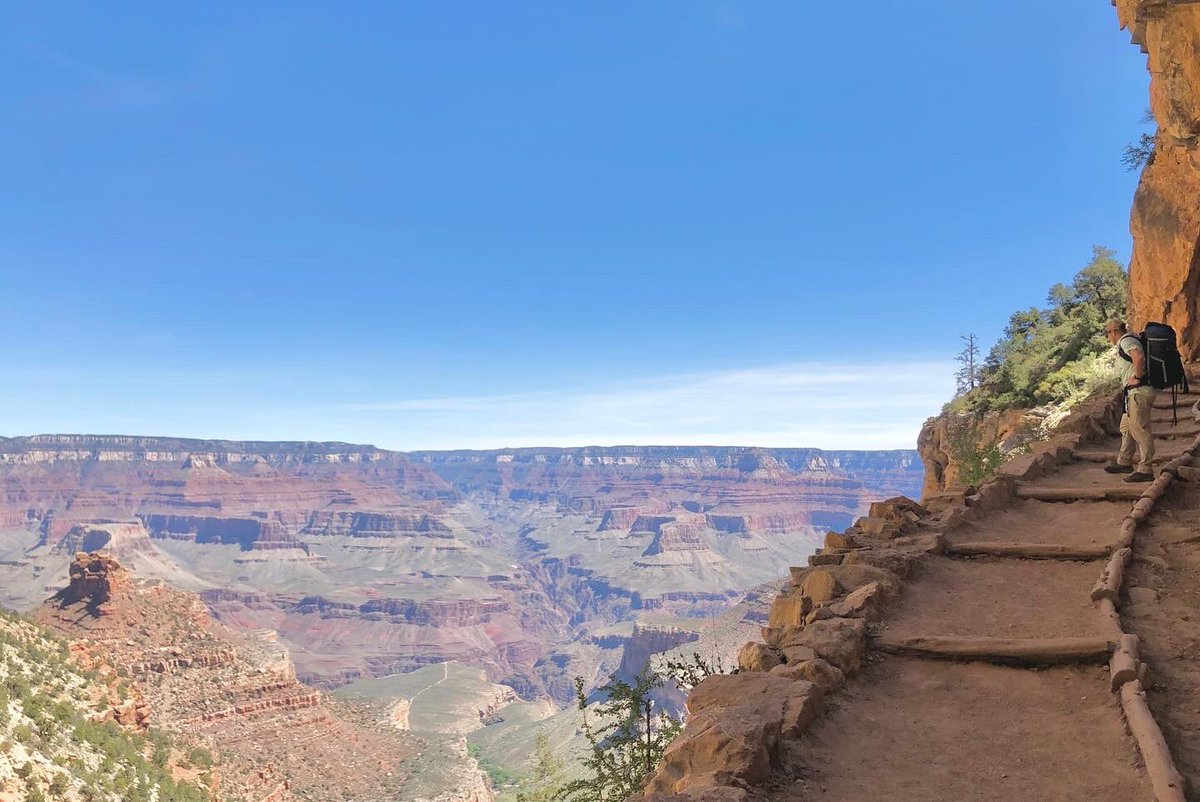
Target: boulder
x=940, y=502
x=805, y=702
x=817, y=671
x=850, y=576
x=801, y=699
x=789, y=609
x=734, y=728
x=877, y=527
x=835, y=540
x=758, y=657
x=795, y=653
x=820, y=585
x=721, y=747
x=819, y=614
x=900, y=510
x=865, y=602
x=897, y=561
x=840, y=641
x=896, y=504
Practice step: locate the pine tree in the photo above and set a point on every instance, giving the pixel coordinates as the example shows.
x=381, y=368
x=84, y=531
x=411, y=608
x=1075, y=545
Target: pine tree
x=967, y=376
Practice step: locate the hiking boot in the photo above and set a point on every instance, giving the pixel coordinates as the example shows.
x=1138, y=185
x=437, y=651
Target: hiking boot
x=1115, y=468
x=1138, y=476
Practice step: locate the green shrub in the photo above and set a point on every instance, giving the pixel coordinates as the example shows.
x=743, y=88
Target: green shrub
x=977, y=460
x=1059, y=354
x=58, y=786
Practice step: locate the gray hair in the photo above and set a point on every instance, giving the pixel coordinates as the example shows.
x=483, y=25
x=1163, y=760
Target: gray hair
x=1115, y=325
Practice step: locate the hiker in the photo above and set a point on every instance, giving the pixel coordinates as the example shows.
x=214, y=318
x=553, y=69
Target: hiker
x=1139, y=398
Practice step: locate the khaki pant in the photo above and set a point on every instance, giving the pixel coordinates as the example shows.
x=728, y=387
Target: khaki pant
x=1135, y=429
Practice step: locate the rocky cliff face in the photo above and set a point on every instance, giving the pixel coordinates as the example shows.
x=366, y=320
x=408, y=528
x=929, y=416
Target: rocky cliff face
x=944, y=438
x=1165, y=221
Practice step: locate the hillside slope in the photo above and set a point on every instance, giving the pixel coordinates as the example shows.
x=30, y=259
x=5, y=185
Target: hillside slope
x=60, y=738
x=236, y=693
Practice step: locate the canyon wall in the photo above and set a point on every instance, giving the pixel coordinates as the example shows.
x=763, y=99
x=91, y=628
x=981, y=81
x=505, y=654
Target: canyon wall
x=1165, y=220
x=367, y=562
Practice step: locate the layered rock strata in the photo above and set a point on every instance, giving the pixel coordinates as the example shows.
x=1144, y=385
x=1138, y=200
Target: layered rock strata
x=368, y=562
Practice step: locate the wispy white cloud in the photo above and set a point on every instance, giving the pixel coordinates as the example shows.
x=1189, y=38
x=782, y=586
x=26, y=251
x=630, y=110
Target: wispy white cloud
x=868, y=405
x=830, y=406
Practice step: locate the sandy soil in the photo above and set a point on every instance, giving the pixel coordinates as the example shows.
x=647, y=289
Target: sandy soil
x=1167, y=562
x=1000, y=598
x=968, y=732
x=1076, y=523
x=1091, y=474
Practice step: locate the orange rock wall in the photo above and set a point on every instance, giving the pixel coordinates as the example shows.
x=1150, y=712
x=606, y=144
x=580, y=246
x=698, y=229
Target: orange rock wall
x=1165, y=220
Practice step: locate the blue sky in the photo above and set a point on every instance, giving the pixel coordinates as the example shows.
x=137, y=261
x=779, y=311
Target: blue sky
x=451, y=224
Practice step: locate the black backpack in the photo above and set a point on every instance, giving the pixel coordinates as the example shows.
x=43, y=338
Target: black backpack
x=1164, y=365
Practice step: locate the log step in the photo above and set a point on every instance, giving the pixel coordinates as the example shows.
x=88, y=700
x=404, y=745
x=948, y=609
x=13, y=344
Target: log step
x=1006, y=651
x=1028, y=551
x=1165, y=779
x=1125, y=492
x=1175, y=432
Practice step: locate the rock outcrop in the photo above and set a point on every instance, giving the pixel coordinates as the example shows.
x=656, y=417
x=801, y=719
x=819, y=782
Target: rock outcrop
x=96, y=580
x=945, y=438
x=1165, y=222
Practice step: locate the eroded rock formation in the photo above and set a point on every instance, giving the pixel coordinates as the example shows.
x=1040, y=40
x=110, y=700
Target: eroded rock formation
x=1165, y=220
x=238, y=692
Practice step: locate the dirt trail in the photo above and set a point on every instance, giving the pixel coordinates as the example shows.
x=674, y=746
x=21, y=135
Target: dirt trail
x=913, y=728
